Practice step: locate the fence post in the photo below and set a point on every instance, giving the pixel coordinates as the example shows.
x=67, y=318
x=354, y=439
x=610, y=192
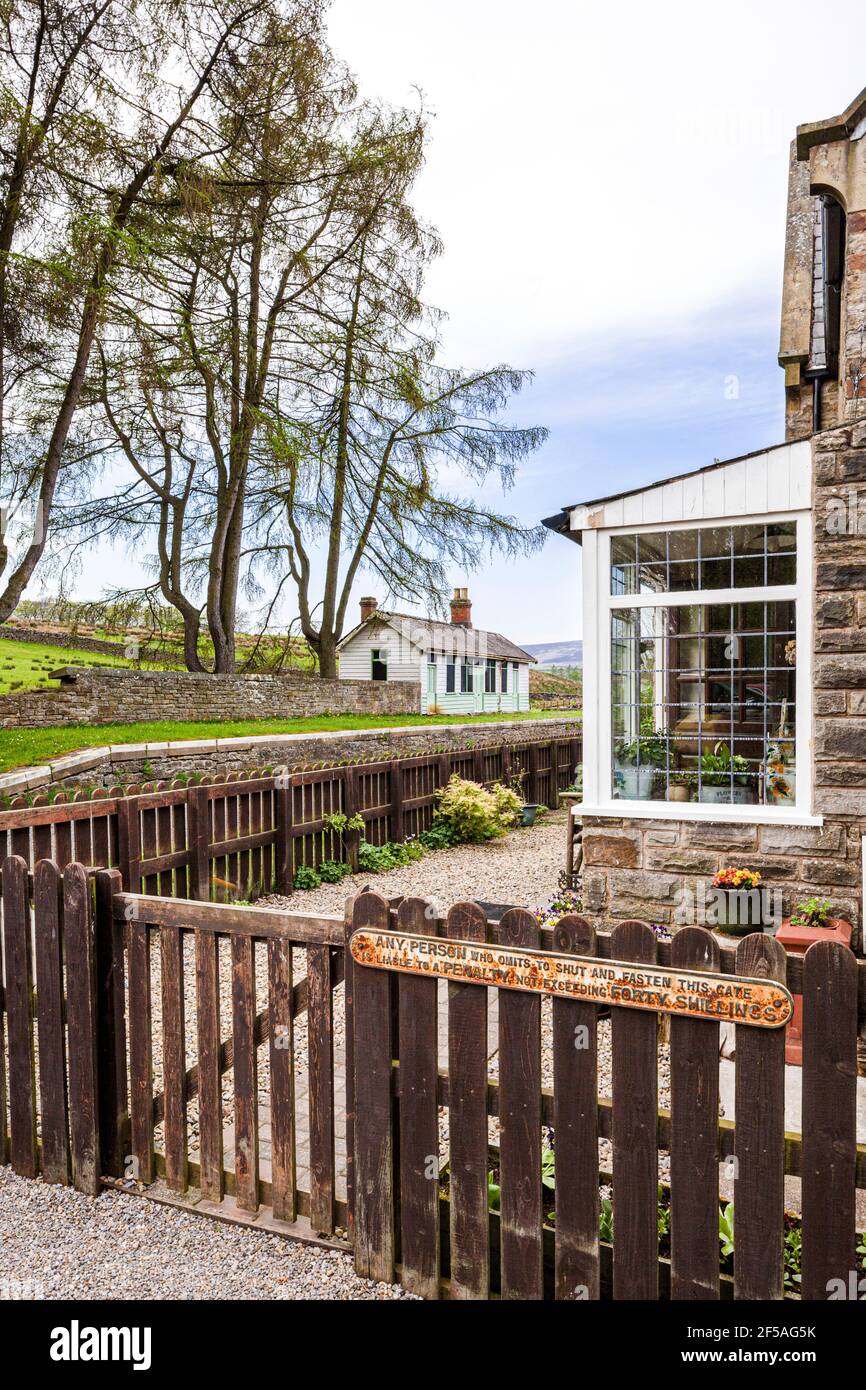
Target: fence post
x=444, y=769
x=396, y=801
x=532, y=779
x=350, y=808
x=478, y=765
x=197, y=843
x=506, y=763
x=374, y=1116
x=284, y=845
x=81, y=1026
x=113, y=1114
x=129, y=843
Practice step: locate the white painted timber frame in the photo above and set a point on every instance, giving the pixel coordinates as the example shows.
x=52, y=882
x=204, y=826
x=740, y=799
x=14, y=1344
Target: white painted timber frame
x=599, y=603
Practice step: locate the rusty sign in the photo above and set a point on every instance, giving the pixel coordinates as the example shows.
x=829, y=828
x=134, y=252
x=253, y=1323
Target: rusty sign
x=588, y=979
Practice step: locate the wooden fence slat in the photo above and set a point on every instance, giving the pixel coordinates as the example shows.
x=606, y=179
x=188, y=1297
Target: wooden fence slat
x=282, y=1057
x=349, y=1037
x=419, y=1116
x=4, y=1127
x=374, y=1140
x=759, y=1112
x=320, y=1058
x=245, y=1073
x=48, y=908
x=575, y=1090
x=284, y=848
x=19, y=1018
x=635, y=1103
x=197, y=840
x=140, y=1048
x=207, y=986
x=174, y=1058
x=522, y=1259
x=129, y=843
x=694, y=1129
x=81, y=1025
x=467, y=1121
x=829, y=1117
x=111, y=1027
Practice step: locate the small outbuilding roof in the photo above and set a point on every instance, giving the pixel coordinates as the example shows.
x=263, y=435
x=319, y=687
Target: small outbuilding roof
x=442, y=636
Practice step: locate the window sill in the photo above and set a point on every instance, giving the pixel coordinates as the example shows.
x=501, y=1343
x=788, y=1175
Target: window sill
x=698, y=811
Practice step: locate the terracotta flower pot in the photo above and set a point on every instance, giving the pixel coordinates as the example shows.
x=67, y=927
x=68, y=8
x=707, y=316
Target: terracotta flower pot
x=797, y=940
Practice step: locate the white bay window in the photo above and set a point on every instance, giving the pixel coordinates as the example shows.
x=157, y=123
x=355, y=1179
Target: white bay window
x=697, y=669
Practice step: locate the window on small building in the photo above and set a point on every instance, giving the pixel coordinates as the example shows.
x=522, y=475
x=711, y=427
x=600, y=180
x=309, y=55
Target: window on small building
x=466, y=678
x=505, y=677
x=450, y=677
x=703, y=680
x=490, y=678
x=379, y=664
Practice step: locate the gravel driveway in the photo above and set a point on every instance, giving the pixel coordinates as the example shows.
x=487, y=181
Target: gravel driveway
x=56, y=1243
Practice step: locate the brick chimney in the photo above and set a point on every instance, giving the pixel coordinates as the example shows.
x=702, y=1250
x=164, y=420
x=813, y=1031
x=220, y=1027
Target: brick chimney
x=461, y=608
x=368, y=608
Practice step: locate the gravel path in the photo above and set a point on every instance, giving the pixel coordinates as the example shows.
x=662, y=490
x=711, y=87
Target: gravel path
x=522, y=868
x=56, y=1244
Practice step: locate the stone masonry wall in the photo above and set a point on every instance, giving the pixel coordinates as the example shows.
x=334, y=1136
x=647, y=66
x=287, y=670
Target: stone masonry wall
x=643, y=868
x=130, y=697
x=126, y=763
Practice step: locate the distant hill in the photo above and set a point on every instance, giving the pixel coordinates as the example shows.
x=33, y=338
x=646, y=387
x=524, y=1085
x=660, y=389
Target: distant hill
x=555, y=653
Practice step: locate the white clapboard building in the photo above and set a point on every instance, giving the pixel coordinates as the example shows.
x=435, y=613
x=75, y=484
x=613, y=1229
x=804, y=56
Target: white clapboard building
x=461, y=669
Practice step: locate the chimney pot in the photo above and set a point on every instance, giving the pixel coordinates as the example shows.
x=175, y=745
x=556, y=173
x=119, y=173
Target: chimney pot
x=368, y=608
x=461, y=609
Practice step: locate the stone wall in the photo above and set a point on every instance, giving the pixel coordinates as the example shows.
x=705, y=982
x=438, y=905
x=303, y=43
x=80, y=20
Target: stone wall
x=647, y=867
x=48, y=637
x=122, y=764
x=132, y=697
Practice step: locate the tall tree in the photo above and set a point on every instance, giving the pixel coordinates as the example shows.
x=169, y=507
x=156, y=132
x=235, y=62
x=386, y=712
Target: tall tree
x=202, y=339
x=372, y=427
x=92, y=119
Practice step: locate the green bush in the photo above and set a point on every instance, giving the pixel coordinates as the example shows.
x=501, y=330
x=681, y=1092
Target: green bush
x=474, y=814
x=377, y=859
x=306, y=878
x=508, y=804
x=439, y=836
x=330, y=871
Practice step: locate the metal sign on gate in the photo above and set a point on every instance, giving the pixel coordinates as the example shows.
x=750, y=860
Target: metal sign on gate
x=699, y=994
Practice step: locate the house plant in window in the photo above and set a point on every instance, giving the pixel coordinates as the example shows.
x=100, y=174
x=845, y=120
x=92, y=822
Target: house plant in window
x=638, y=761
x=725, y=777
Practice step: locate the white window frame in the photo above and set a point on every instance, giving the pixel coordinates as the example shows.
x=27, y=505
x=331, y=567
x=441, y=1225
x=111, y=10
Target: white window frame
x=599, y=603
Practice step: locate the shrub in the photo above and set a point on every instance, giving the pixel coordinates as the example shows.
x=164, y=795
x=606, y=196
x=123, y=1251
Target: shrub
x=306, y=878
x=330, y=871
x=508, y=804
x=474, y=814
x=378, y=859
x=439, y=836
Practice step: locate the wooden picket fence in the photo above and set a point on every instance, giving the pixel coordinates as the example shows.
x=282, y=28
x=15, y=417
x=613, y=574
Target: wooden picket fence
x=239, y=836
x=196, y=1046
x=440, y=1238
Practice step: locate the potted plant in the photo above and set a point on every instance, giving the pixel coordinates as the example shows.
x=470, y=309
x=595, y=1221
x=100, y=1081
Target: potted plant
x=637, y=762
x=679, y=787
x=809, y=922
x=725, y=777
x=736, y=906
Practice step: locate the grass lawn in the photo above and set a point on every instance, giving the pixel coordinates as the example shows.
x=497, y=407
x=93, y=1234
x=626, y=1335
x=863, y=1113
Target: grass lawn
x=23, y=747
x=28, y=665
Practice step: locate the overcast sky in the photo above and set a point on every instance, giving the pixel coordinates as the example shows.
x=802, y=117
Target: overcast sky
x=609, y=182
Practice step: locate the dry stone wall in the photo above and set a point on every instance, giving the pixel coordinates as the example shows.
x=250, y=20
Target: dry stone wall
x=132, y=697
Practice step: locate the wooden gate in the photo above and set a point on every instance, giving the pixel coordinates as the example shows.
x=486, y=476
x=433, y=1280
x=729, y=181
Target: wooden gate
x=440, y=1106
x=164, y=1047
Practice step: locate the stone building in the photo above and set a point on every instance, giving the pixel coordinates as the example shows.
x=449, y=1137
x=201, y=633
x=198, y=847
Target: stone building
x=725, y=614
